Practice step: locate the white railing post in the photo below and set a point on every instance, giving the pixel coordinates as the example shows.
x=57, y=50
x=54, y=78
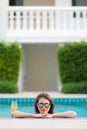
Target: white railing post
x=64, y=20
x=18, y=20
x=24, y=20
x=61, y=20
x=77, y=20
x=44, y=20
x=38, y=23
x=57, y=20
x=51, y=20
x=31, y=19
x=11, y=20
x=84, y=19
x=71, y=21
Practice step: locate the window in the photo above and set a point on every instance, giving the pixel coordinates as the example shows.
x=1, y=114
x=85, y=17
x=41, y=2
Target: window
x=15, y=2
x=79, y=2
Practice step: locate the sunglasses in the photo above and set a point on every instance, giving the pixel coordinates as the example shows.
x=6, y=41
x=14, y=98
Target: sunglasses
x=41, y=105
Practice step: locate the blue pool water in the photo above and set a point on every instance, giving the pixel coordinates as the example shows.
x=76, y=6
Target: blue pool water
x=78, y=105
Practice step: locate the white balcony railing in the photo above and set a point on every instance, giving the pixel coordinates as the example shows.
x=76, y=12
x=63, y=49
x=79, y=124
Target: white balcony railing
x=28, y=22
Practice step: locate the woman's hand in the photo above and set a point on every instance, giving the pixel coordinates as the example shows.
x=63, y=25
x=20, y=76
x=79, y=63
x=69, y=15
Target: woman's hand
x=14, y=114
x=40, y=115
x=43, y=115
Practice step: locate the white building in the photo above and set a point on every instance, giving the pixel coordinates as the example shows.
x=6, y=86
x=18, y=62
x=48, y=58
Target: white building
x=40, y=26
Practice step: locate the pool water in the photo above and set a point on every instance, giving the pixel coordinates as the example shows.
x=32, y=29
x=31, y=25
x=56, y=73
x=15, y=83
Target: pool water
x=61, y=105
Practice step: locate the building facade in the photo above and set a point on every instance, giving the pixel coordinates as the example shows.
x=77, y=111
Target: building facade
x=40, y=26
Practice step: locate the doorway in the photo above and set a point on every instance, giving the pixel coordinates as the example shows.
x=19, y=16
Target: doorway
x=40, y=67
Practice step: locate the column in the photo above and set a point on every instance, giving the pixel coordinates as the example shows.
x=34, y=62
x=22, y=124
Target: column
x=20, y=85
x=21, y=73
x=63, y=3
x=3, y=19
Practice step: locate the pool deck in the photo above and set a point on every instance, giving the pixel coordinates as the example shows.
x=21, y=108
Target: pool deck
x=43, y=124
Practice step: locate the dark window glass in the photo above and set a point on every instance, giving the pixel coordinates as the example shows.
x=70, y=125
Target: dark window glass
x=79, y=2
x=15, y=2
x=12, y=2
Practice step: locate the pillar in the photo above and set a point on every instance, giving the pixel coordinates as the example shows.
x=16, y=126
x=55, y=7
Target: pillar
x=3, y=19
x=63, y=3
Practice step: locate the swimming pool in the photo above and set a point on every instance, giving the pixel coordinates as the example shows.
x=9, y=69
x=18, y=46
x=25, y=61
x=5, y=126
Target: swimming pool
x=61, y=104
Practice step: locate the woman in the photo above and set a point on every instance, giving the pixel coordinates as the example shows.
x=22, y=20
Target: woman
x=44, y=107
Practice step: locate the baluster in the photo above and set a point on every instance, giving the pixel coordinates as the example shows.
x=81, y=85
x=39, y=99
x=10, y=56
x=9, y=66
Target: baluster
x=24, y=20
x=64, y=20
x=61, y=20
x=8, y=19
x=77, y=20
x=28, y=20
x=57, y=20
x=38, y=23
x=11, y=22
x=44, y=20
x=21, y=19
x=84, y=18
x=18, y=20
x=81, y=20
x=71, y=20
x=67, y=20
x=51, y=20
x=31, y=18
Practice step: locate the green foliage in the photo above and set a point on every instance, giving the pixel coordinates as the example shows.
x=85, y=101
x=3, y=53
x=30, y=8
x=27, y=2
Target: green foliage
x=72, y=65
x=72, y=62
x=10, y=58
x=8, y=87
x=80, y=87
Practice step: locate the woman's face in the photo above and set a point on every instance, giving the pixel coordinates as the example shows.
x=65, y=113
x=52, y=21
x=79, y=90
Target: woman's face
x=43, y=105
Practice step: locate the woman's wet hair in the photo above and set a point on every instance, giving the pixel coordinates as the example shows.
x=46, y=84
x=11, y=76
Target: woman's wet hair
x=46, y=96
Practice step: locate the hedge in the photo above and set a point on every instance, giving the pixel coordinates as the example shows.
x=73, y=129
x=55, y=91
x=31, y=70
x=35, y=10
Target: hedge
x=72, y=62
x=80, y=87
x=10, y=58
x=8, y=87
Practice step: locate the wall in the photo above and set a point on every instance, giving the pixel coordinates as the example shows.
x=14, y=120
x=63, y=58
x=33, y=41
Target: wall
x=39, y=2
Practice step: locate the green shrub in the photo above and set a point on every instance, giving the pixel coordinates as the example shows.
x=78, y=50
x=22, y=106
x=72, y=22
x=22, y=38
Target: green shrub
x=8, y=87
x=10, y=58
x=80, y=87
x=72, y=62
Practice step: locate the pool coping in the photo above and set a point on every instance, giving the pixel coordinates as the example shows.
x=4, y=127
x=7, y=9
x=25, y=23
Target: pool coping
x=44, y=124
x=34, y=94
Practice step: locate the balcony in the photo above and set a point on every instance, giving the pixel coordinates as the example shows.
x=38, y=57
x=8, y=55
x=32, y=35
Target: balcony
x=47, y=24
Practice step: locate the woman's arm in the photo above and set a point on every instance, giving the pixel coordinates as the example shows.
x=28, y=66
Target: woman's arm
x=19, y=114
x=67, y=114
